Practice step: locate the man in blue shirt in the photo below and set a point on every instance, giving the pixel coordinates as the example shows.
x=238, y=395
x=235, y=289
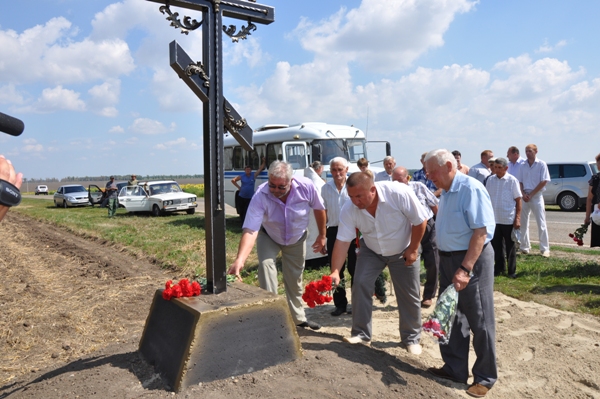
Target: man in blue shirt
x=465, y=226
x=421, y=176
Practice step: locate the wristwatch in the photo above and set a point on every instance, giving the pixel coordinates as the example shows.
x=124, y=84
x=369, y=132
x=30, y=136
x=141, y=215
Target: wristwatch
x=469, y=272
x=9, y=194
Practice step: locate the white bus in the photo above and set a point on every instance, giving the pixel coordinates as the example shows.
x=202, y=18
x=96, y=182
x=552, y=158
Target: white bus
x=299, y=145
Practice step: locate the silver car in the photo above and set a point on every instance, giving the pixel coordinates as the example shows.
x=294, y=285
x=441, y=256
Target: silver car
x=71, y=195
x=568, y=187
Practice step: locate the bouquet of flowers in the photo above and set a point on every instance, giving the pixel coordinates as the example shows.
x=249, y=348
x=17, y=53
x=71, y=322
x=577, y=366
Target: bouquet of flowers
x=439, y=322
x=181, y=289
x=577, y=236
x=318, y=292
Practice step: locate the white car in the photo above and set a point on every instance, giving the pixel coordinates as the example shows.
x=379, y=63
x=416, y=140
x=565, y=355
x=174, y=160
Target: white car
x=157, y=197
x=41, y=190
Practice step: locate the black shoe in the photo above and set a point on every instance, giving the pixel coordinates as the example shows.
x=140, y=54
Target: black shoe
x=349, y=311
x=441, y=373
x=512, y=276
x=338, y=311
x=310, y=324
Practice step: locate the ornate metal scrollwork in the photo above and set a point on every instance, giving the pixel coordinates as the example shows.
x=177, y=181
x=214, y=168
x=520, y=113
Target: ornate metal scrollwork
x=186, y=26
x=242, y=34
x=234, y=126
x=198, y=69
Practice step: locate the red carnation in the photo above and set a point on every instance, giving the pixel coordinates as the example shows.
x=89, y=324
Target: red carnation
x=196, y=289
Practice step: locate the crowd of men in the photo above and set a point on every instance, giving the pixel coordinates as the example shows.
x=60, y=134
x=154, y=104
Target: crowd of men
x=461, y=220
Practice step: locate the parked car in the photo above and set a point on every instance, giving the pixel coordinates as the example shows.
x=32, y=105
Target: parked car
x=569, y=186
x=97, y=194
x=41, y=190
x=157, y=197
x=71, y=195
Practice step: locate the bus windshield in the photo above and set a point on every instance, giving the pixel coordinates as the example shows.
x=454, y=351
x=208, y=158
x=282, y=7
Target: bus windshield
x=351, y=149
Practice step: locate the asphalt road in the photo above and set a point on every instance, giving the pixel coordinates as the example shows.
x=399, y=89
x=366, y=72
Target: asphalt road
x=560, y=224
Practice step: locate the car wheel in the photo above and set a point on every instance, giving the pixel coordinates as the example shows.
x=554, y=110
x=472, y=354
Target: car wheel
x=156, y=211
x=65, y=204
x=191, y=211
x=568, y=201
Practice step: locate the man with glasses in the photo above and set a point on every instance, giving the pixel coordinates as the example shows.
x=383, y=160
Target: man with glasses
x=277, y=220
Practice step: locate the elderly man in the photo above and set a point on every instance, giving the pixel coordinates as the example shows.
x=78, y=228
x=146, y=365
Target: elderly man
x=335, y=195
x=429, y=250
x=533, y=177
x=7, y=173
x=481, y=170
x=277, y=219
x=506, y=200
x=389, y=163
x=392, y=223
x=514, y=160
x=465, y=225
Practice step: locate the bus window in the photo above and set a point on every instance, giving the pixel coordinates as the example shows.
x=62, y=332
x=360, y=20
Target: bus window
x=256, y=156
x=228, y=158
x=274, y=153
x=238, y=158
x=330, y=149
x=295, y=154
x=356, y=149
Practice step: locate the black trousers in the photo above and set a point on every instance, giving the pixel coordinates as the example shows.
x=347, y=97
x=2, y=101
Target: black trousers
x=339, y=295
x=431, y=260
x=503, y=240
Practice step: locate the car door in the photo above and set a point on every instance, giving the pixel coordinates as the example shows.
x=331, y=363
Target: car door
x=95, y=194
x=554, y=186
x=134, y=199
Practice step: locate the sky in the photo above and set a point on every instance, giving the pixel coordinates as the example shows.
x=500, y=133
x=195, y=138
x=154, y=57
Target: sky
x=91, y=79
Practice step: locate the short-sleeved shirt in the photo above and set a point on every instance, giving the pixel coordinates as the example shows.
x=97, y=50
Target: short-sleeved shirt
x=513, y=168
x=425, y=197
x=388, y=233
x=421, y=176
x=531, y=175
x=383, y=176
x=503, y=192
x=334, y=200
x=285, y=222
x=479, y=171
x=111, y=193
x=462, y=209
x=247, y=186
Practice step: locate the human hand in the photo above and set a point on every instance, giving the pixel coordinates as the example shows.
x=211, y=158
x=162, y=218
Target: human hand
x=410, y=256
x=319, y=244
x=461, y=280
x=335, y=279
x=7, y=173
x=235, y=269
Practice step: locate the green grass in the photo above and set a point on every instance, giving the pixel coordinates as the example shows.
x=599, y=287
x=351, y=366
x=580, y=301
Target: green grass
x=177, y=242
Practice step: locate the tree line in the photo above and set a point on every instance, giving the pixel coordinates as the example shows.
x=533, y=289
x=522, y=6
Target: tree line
x=107, y=177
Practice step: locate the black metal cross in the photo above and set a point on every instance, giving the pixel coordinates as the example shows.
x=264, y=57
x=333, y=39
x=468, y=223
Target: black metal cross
x=205, y=80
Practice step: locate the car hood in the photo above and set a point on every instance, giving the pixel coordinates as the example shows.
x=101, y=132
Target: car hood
x=77, y=194
x=168, y=196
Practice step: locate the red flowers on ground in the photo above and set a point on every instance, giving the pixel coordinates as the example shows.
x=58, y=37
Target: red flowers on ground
x=318, y=292
x=579, y=233
x=181, y=289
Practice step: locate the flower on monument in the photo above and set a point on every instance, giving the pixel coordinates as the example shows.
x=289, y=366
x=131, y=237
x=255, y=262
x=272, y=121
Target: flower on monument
x=318, y=292
x=439, y=322
x=181, y=289
x=577, y=236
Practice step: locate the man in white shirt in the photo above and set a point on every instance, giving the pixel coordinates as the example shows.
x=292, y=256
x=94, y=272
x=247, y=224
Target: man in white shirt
x=506, y=201
x=389, y=163
x=481, y=170
x=533, y=177
x=392, y=223
x=335, y=195
x=429, y=250
x=514, y=160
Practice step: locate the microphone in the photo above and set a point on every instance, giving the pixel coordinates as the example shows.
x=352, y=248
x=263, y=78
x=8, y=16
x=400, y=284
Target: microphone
x=11, y=125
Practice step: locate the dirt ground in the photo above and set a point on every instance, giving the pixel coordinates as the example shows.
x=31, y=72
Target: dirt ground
x=72, y=310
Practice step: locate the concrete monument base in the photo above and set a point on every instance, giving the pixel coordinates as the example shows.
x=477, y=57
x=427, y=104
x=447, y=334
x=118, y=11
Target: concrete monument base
x=211, y=337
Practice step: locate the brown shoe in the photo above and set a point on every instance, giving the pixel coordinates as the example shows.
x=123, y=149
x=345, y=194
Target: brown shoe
x=477, y=390
x=441, y=373
x=426, y=303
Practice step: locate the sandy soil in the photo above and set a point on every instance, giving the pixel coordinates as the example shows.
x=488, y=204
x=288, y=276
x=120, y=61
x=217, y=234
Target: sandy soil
x=72, y=311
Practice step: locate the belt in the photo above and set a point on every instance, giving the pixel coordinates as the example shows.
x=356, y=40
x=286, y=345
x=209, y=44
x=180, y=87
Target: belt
x=452, y=253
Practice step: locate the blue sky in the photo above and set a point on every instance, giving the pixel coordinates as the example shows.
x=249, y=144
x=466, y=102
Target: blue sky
x=92, y=82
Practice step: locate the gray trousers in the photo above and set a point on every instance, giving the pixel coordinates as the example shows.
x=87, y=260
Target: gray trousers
x=292, y=257
x=406, y=286
x=475, y=312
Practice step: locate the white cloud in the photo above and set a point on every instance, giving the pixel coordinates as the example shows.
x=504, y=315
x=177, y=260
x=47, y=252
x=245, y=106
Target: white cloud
x=546, y=48
x=248, y=50
x=56, y=99
x=382, y=35
x=32, y=146
x=180, y=142
x=116, y=129
x=150, y=127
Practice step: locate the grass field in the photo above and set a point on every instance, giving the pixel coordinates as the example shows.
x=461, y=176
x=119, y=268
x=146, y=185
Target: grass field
x=569, y=280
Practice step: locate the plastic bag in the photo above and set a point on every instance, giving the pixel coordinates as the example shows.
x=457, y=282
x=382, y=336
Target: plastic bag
x=439, y=322
x=595, y=216
x=516, y=237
